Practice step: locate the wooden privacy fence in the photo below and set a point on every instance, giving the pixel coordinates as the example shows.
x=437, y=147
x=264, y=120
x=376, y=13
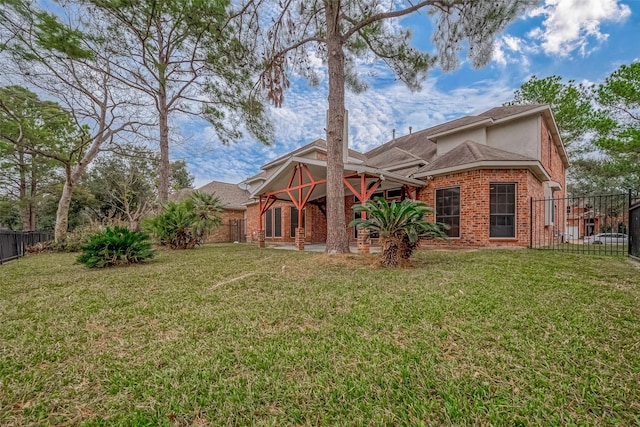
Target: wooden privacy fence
x=14, y=244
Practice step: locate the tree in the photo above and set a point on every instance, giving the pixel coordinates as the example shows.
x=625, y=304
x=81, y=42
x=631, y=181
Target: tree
x=570, y=103
x=124, y=186
x=617, y=124
x=599, y=124
x=123, y=189
x=30, y=131
x=67, y=64
x=184, y=58
x=180, y=177
x=185, y=225
x=341, y=31
x=400, y=226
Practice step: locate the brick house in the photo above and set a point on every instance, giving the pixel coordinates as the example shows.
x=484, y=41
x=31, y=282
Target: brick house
x=478, y=172
x=234, y=200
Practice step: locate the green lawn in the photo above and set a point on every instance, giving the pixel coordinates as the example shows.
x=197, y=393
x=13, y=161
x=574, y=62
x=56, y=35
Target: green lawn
x=233, y=335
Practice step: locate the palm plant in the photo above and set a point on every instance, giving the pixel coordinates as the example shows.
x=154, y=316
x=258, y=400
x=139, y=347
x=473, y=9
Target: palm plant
x=116, y=246
x=400, y=226
x=207, y=209
x=185, y=225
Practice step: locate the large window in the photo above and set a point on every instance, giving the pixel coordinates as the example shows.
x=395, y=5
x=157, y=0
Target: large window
x=502, y=201
x=273, y=222
x=268, y=223
x=448, y=209
x=294, y=220
x=277, y=222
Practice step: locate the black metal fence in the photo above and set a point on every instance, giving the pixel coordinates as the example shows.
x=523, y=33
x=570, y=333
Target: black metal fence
x=588, y=224
x=634, y=231
x=14, y=244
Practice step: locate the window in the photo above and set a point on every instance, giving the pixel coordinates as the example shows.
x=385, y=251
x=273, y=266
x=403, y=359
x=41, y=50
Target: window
x=448, y=209
x=502, y=201
x=273, y=222
x=277, y=222
x=394, y=194
x=268, y=223
x=293, y=223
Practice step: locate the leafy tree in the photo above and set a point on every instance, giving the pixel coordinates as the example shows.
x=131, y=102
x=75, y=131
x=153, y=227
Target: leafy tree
x=180, y=177
x=124, y=186
x=570, y=103
x=186, y=58
x=185, y=225
x=599, y=124
x=9, y=214
x=400, y=226
x=617, y=124
x=61, y=60
x=340, y=32
x=32, y=134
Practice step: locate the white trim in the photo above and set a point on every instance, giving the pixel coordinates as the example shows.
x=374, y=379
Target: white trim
x=484, y=122
x=385, y=175
x=534, y=165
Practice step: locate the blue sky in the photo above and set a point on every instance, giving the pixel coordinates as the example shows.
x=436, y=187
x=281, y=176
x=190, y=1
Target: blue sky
x=582, y=40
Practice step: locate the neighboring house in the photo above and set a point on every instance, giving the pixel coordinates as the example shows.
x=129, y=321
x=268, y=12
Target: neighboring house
x=582, y=220
x=234, y=200
x=478, y=172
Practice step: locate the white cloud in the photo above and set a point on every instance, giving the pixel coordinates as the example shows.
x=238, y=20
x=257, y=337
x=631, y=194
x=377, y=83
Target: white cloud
x=508, y=50
x=372, y=117
x=569, y=25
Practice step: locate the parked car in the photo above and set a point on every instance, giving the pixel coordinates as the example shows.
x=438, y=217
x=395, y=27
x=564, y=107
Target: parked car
x=607, y=239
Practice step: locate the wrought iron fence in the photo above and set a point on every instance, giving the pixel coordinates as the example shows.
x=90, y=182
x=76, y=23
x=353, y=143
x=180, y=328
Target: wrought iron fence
x=14, y=244
x=586, y=224
x=634, y=231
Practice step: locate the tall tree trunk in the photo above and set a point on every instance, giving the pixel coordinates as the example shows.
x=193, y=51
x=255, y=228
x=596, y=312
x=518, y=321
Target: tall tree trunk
x=164, y=167
x=32, y=196
x=163, y=112
x=337, y=237
x=23, y=198
x=62, y=214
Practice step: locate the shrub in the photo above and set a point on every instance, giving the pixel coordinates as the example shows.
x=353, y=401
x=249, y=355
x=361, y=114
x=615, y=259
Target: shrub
x=116, y=246
x=184, y=225
x=74, y=240
x=400, y=226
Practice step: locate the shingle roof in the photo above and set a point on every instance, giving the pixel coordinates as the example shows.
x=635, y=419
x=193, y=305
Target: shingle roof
x=417, y=143
x=471, y=152
x=394, y=156
x=498, y=113
x=231, y=195
x=318, y=143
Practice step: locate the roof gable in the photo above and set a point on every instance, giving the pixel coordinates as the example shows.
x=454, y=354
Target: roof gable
x=231, y=195
x=471, y=152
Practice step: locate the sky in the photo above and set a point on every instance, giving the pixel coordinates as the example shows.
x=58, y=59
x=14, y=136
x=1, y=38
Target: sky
x=581, y=40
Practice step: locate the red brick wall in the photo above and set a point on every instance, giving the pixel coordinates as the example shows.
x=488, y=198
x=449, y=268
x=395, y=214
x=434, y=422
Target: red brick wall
x=555, y=167
x=223, y=233
x=474, y=205
x=315, y=224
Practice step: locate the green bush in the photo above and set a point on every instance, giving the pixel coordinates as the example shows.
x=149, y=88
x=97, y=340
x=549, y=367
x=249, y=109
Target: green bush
x=74, y=240
x=400, y=226
x=116, y=246
x=185, y=225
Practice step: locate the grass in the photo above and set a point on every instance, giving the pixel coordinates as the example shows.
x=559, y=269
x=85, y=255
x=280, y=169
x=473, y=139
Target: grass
x=233, y=335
